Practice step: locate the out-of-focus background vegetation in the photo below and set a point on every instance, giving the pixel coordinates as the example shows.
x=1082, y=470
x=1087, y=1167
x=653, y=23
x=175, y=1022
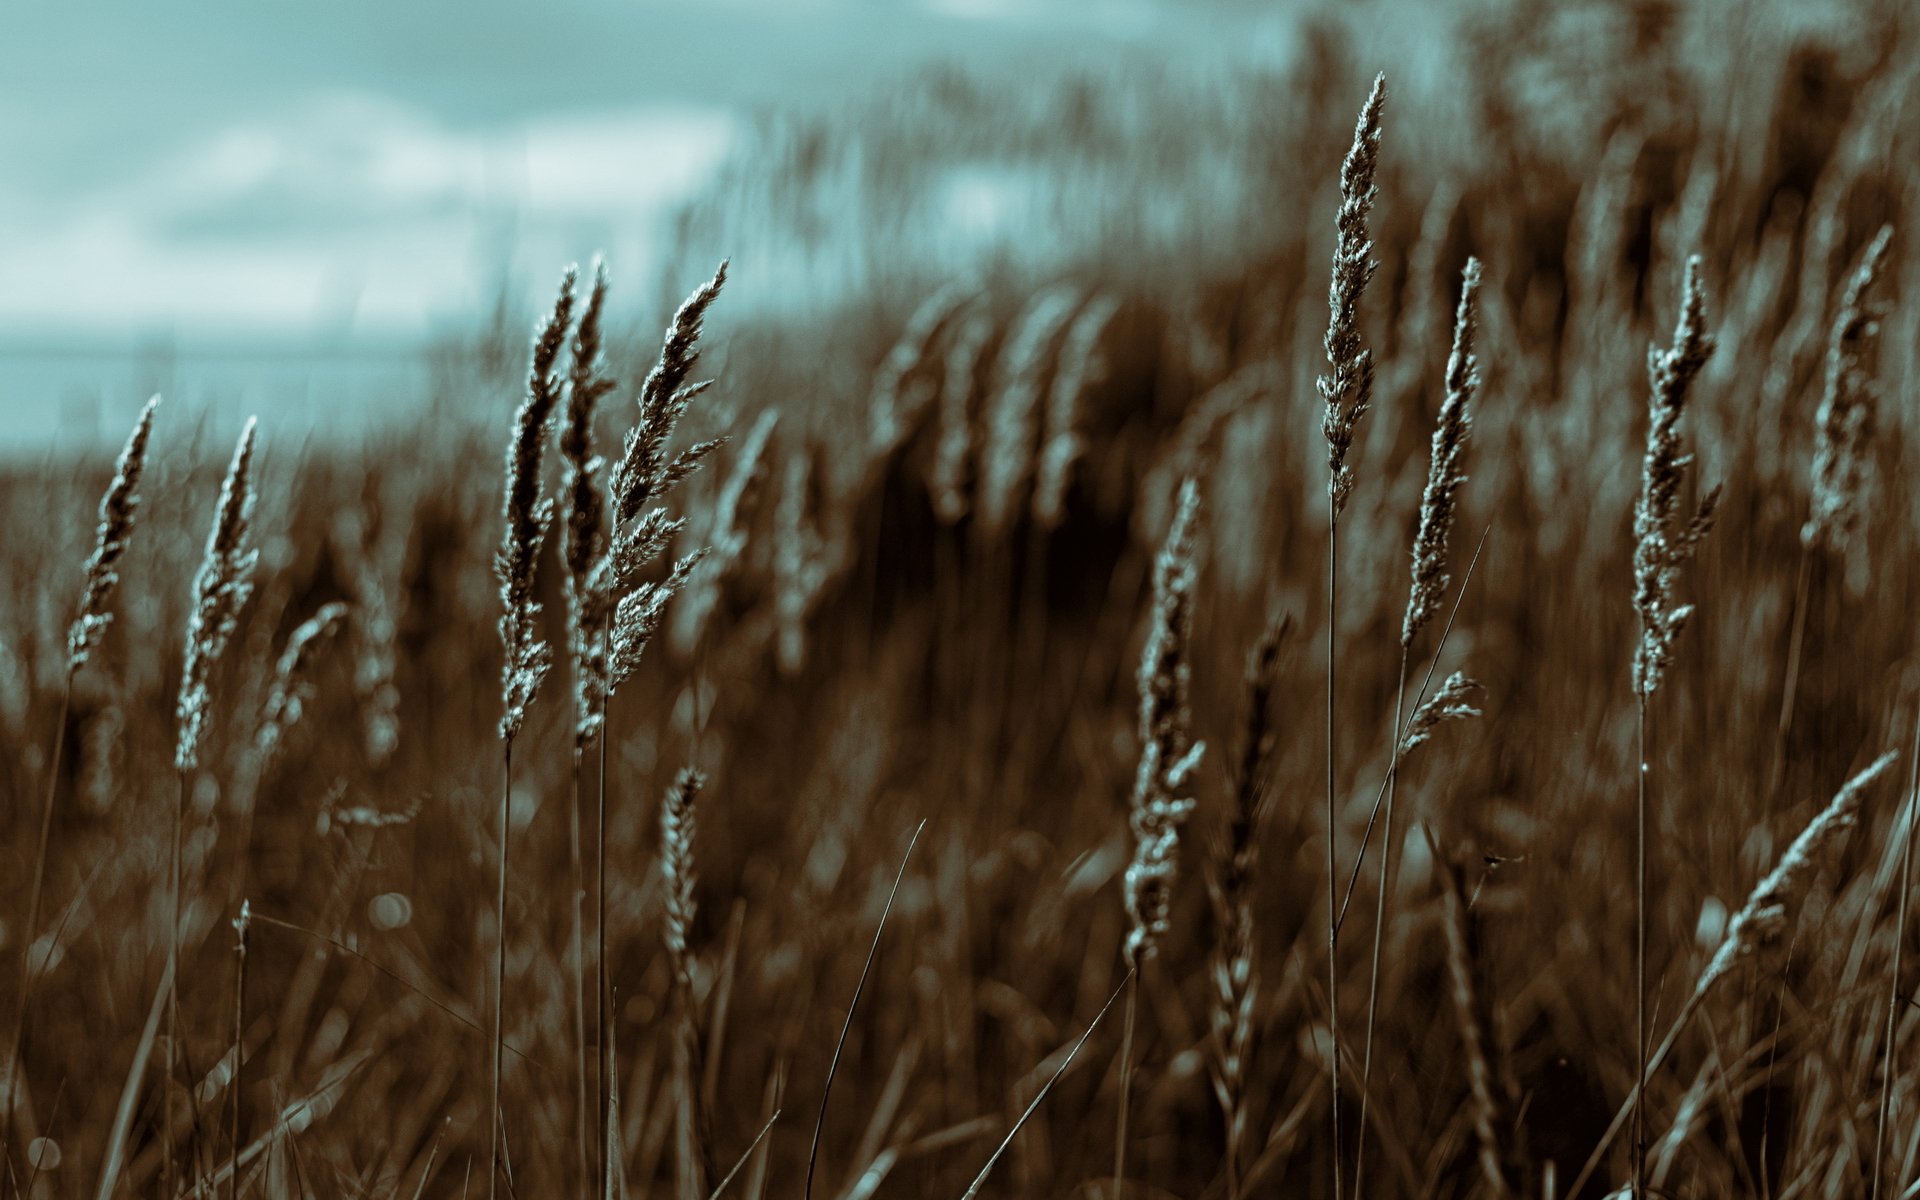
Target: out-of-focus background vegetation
x=347, y=228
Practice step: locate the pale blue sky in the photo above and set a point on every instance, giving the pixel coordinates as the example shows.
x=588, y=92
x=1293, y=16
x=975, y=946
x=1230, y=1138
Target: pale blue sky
x=356, y=170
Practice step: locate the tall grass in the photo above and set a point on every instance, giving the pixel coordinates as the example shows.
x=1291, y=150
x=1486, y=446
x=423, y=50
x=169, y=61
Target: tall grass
x=943, y=619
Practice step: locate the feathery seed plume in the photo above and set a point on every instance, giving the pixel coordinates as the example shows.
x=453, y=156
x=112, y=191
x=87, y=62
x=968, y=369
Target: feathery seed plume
x=1761, y=924
x=1080, y=368
x=644, y=471
x=117, y=508
x=1235, y=975
x=292, y=689
x=525, y=519
x=220, y=590
x=677, y=863
x=727, y=536
x=1162, y=801
x=1848, y=417
x=1026, y=365
x=948, y=478
x=1452, y=702
x=1472, y=1014
x=1662, y=543
x=585, y=528
x=800, y=562
x=1444, y=475
x=643, y=477
x=1348, y=388
x=902, y=387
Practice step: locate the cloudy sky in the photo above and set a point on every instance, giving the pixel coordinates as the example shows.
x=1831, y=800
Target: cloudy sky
x=360, y=170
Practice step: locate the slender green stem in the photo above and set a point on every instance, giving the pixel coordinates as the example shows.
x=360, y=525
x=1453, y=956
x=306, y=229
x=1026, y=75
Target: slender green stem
x=1333, y=867
x=1632, y=1104
x=239, y=1046
x=34, y=893
x=1379, y=927
x=1126, y=1085
x=577, y=952
x=499, y=970
x=1887, y=1056
x=1426, y=681
x=1640, y=956
x=603, y=1011
x=1796, y=645
x=173, y=974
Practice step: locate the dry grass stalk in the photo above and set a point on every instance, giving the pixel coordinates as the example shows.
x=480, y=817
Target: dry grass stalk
x=1890, y=1039
x=220, y=590
x=904, y=385
x=1424, y=597
x=585, y=534
x=947, y=479
x=1169, y=755
x=583, y=544
x=643, y=477
x=801, y=563
x=1473, y=1013
x=118, y=507
x=1196, y=443
x=237, y=1087
x=1444, y=475
x=1662, y=541
x=1081, y=367
x=1236, y=862
x=292, y=689
x=1347, y=390
x=1008, y=445
x=526, y=517
x=640, y=530
x=645, y=472
x=678, y=872
x=726, y=536
x=1662, y=545
x=375, y=659
x=1162, y=799
x=1848, y=418
x=1451, y=702
x=1757, y=933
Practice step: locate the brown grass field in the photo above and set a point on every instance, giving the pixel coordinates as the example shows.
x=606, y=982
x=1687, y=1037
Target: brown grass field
x=947, y=556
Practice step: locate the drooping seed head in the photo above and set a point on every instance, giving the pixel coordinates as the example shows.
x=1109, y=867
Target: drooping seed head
x=1760, y=927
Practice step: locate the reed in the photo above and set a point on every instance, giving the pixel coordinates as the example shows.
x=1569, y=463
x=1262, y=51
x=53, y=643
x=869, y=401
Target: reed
x=639, y=530
x=118, y=507
x=1347, y=390
x=1757, y=933
x=221, y=589
x=679, y=875
x=1162, y=786
x=1664, y=540
x=1425, y=595
x=525, y=519
x=1235, y=865
x=583, y=543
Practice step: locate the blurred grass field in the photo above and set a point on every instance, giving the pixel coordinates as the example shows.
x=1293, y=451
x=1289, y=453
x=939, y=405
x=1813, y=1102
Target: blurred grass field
x=904, y=638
